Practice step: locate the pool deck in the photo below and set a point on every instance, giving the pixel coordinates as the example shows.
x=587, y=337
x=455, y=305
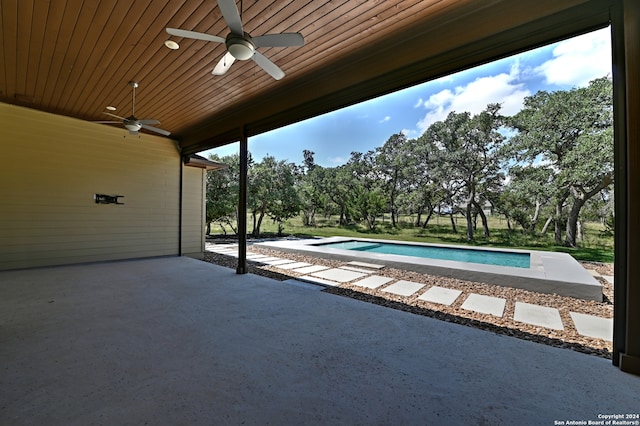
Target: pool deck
x=550, y=272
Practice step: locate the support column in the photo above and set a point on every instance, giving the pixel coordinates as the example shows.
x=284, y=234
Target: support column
x=180, y=205
x=626, y=48
x=242, y=205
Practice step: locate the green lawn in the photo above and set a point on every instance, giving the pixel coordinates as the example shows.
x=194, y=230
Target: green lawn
x=594, y=247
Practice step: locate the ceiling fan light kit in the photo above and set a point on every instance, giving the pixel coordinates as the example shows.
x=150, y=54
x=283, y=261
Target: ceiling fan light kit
x=132, y=125
x=240, y=48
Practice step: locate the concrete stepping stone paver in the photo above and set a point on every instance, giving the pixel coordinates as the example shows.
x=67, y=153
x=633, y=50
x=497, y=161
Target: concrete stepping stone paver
x=440, y=295
x=278, y=262
x=338, y=275
x=317, y=280
x=485, y=304
x=310, y=269
x=351, y=268
x=224, y=250
x=592, y=326
x=609, y=278
x=403, y=288
x=293, y=265
x=538, y=315
x=256, y=256
x=266, y=259
x=366, y=265
x=373, y=281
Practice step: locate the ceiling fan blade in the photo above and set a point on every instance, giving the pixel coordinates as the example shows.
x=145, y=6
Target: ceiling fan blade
x=279, y=40
x=148, y=121
x=224, y=64
x=195, y=35
x=155, y=129
x=113, y=115
x=231, y=16
x=267, y=65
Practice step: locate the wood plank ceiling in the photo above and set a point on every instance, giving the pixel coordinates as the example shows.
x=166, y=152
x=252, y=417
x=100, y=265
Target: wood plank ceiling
x=75, y=57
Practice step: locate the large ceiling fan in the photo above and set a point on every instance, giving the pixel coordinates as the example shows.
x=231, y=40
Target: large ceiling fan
x=133, y=124
x=240, y=45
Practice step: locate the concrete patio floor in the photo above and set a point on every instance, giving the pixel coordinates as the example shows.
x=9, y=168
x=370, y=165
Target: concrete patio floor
x=180, y=341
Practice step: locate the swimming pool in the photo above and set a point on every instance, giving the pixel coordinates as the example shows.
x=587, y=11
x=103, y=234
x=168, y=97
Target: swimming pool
x=547, y=272
x=466, y=254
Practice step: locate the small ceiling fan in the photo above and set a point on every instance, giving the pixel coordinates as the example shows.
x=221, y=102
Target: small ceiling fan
x=133, y=124
x=240, y=45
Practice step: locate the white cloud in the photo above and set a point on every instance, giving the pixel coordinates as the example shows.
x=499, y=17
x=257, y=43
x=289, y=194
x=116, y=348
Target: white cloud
x=418, y=103
x=384, y=120
x=409, y=133
x=579, y=60
x=337, y=160
x=474, y=97
x=443, y=97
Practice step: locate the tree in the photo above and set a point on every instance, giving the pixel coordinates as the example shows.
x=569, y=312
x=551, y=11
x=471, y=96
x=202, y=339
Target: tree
x=222, y=194
x=272, y=192
x=337, y=184
x=312, y=197
x=469, y=157
x=525, y=197
x=422, y=192
x=368, y=198
x=370, y=206
x=569, y=133
x=391, y=160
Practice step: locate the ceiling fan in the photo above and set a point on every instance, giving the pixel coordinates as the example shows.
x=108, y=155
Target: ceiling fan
x=133, y=124
x=240, y=45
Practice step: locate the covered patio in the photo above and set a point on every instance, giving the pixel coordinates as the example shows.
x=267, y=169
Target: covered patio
x=165, y=339
x=176, y=340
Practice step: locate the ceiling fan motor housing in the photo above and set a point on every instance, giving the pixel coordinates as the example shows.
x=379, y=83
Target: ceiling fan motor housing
x=240, y=48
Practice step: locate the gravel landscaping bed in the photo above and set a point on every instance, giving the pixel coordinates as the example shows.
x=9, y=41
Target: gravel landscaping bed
x=567, y=338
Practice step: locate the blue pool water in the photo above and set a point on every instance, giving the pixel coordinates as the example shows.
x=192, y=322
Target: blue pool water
x=501, y=258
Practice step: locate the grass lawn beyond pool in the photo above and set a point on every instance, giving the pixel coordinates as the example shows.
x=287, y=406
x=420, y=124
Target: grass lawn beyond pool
x=594, y=246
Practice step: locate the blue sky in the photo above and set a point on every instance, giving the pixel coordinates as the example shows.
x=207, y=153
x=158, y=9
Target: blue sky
x=365, y=126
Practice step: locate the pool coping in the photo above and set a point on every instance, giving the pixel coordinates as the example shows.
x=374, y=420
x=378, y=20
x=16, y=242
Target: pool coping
x=550, y=272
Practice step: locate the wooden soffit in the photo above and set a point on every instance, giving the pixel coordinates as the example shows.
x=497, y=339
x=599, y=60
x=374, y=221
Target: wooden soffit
x=75, y=57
